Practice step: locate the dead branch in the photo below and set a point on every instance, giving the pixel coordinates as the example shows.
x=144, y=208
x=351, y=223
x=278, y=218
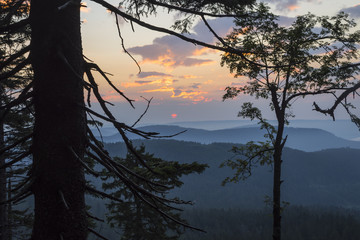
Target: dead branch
x=102, y=194
x=145, y=111
x=93, y=83
x=15, y=70
x=21, y=140
x=14, y=56
x=95, y=218
x=15, y=160
x=97, y=234
x=123, y=46
x=83, y=163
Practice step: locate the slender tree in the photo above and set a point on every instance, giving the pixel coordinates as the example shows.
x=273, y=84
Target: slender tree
x=312, y=57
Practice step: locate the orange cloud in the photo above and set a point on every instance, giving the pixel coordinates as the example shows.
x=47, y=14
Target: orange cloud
x=293, y=7
x=84, y=8
x=189, y=76
x=202, y=51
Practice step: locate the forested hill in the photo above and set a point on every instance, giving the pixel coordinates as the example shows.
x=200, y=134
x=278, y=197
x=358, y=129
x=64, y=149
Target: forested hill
x=328, y=177
x=305, y=139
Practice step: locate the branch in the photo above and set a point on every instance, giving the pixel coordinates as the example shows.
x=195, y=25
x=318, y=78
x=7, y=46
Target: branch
x=93, y=83
x=186, y=10
x=102, y=194
x=97, y=234
x=213, y=32
x=303, y=94
x=123, y=46
x=83, y=163
x=15, y=70
x=339, y=99
x=15, y=160
x=164, y=30
x=21, y=140
x=14, y=56
x=95, y=218
x=143, y=114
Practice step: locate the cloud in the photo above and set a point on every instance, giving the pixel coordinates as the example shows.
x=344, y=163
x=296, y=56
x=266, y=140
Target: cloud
x=353, y=11
x=152, y=74
x=189, y=76
x=139, y=83
x=181, y=93
x=195, y=85
x=288, y=5
x=84, y=8
x=170, y=51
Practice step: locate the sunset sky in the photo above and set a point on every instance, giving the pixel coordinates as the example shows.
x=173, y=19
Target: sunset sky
x=186, y=82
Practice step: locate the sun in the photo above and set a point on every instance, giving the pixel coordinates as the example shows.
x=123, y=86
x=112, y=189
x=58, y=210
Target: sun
x=174, y=115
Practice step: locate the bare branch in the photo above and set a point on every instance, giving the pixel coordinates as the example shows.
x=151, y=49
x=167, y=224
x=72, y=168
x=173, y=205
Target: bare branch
x=14, y=56
x=63, y=200
x=339, y=99
x=97, y=234
x=15, y=160
x=122, y=44
x=145, y=111
x=15, y=70
x=95, y=218
x=164, y=30
x=102, y=194
x=93, y=83
x=21, y=140
x=83, y=163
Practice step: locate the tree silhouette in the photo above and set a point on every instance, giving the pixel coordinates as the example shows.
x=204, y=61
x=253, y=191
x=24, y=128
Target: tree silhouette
x=136, y=219
x=15, y=122
x=312, y=57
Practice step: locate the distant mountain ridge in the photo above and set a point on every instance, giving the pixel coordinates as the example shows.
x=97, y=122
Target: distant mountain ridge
x=305, y=139
x=327, y=178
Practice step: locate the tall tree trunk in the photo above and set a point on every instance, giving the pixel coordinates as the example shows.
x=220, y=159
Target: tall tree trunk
x=277, y=181
x=3, y=189
x=60, y=121
x=9, y=210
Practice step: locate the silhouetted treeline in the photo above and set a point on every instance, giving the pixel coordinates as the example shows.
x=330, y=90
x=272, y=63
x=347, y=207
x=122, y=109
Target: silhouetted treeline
x=299, y=223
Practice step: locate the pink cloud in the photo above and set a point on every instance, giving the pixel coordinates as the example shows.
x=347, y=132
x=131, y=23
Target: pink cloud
x=170, y=51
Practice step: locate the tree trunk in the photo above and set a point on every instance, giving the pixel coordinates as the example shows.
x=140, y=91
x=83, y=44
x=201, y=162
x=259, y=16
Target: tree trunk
x=3, y=189
x=277, y=182
x=60, y=121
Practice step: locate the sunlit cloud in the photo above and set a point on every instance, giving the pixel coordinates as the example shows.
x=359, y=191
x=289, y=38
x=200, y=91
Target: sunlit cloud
x=353, y=11
x=179, y=93
x=288, y=5
x=293, y=7
x=139, y=83
x=152, y=74
x=84, y=8
x=189, y=76
x=170, y=51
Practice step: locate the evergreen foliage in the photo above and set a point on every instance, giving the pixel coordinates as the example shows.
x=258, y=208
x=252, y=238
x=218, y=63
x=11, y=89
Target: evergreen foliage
x=136, y=219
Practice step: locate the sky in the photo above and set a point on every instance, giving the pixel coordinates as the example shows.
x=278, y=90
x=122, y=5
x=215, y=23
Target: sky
x=184, y=81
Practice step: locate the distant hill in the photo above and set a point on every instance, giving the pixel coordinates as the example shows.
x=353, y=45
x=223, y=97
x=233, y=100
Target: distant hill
x=340, y=128
x=327, y=178
x=306, y=139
